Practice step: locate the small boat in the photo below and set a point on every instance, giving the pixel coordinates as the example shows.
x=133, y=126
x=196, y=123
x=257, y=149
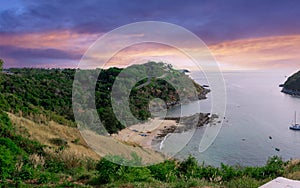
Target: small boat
x=295, y=125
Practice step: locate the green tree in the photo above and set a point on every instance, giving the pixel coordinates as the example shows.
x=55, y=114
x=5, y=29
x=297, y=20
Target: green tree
x=1, y=64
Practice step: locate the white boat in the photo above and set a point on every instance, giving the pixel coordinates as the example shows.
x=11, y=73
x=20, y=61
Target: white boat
x=295, y=126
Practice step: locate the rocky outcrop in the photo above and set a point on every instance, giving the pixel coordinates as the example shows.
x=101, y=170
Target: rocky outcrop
x=292, y=85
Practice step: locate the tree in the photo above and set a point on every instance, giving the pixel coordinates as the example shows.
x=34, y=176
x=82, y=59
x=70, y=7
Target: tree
x=1, y=64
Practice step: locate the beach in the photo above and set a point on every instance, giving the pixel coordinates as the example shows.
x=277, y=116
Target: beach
x=108, y=146
x=144, y=134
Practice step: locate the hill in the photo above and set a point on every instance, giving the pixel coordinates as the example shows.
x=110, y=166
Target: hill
x=46, y=94
x=292, y=85
x=40, y=146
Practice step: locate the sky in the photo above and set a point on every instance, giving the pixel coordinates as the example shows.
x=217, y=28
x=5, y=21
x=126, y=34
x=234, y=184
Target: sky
x=241, y=34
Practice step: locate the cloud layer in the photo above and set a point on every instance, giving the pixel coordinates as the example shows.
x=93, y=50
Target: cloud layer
x=42, y=33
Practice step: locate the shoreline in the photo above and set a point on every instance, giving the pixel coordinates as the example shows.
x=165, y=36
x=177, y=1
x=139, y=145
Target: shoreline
x=291, y=92
x=143, y=134
x=151, y=134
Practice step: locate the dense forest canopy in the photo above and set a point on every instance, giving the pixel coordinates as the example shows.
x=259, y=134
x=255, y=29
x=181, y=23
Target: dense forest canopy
x=46, y=94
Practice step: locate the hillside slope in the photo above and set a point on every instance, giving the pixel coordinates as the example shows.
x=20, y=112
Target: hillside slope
x=47, y=134
x=292, y=85
x=44, y=95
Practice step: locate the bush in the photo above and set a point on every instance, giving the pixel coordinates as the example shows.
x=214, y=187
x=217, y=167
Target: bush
x=9, y=144
x=107, y=171
x=166, y=171
x=47, y=177
x=26, y=173
x=53, y=165
x=7, y=162
x=189, y=167
x=6, y=127
x=228, y=172
x=273, y=168
x=209, y=173
x=29, y=146
x=134, y=174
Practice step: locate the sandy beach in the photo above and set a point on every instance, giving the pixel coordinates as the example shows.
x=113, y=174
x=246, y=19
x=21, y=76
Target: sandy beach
x=143, y=134
x=143, y=139
x=107, y=145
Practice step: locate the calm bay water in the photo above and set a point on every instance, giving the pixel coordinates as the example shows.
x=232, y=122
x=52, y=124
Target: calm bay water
x=256, y=110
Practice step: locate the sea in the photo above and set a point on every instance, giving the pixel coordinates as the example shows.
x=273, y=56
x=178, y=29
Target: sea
x=256, y=124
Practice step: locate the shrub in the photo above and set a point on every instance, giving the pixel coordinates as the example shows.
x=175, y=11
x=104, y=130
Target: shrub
x=228, y=172
x=107, y=171
x=134, y=174
x=274, y=167
x=9, y=144
x=59, y=142
x=6, y=127
x=210, y=173
x=26, y=173
x=189, y=167
x=53, y=165
x=28, y=146
x=166, y=171
x=47, y=177
x=7, y=162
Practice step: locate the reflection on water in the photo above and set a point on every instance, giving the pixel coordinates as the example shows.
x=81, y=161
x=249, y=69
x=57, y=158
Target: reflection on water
x=257, y=119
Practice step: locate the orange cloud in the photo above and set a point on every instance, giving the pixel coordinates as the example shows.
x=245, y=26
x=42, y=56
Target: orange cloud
x=266, y=52
x=138, y=54
x=256, y=53
x=61, y=40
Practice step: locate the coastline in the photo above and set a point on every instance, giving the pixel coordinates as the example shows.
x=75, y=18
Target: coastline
x=291, y=92
x=144, y=134
x=152, y=134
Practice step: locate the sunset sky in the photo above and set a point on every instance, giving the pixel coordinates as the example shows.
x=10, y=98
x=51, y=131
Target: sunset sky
x=241, y=34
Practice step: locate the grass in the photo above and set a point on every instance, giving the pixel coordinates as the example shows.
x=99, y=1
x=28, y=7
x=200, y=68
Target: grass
x=24, y=165
x=46, y=134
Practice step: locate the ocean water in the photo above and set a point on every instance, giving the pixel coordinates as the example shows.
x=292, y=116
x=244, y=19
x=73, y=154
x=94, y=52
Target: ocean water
x=256, y=111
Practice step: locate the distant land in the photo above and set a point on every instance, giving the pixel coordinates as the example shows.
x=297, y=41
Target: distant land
x=292, y=85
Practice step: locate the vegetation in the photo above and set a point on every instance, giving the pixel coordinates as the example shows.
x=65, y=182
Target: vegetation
x=42, y=95
x=1, y=64
x=292, y=85
x=46, y=94
x=18, y=156
x=187, y=173
x=25, y=162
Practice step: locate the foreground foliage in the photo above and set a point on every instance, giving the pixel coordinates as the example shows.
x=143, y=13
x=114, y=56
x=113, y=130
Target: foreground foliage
x=26, y=162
